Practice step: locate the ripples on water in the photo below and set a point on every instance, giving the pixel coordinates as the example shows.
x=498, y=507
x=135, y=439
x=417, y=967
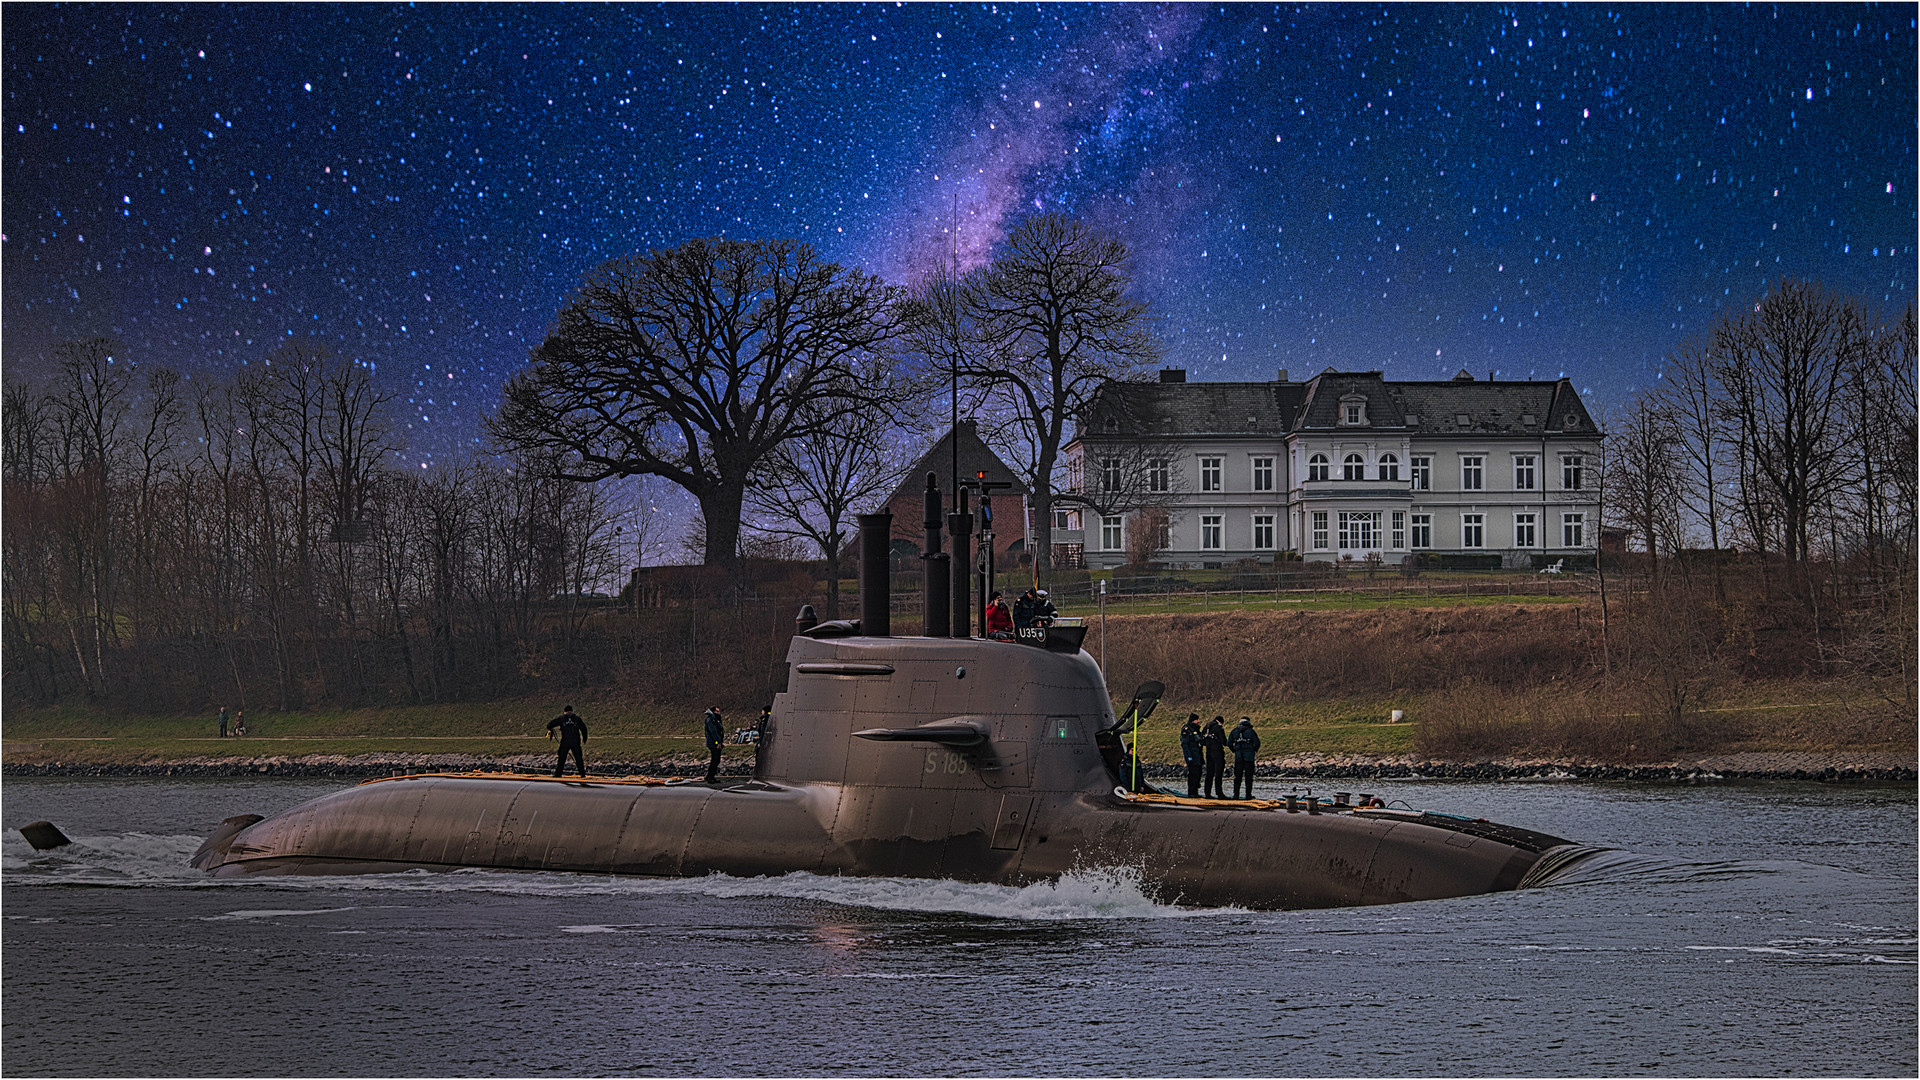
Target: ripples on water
x=1750, y=931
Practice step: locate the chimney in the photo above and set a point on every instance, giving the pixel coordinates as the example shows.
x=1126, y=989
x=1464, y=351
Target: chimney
x=1283, y=375
x=1173, y=374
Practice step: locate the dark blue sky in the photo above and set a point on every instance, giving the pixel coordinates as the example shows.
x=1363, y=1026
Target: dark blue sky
x=1530, y=189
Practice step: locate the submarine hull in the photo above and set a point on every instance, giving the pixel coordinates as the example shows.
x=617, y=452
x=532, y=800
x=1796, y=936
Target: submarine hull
x=1009, y=786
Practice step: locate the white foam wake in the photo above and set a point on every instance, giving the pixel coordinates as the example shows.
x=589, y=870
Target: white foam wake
x=136, y=860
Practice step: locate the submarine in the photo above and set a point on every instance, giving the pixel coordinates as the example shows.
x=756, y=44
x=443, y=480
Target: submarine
x=933, y=756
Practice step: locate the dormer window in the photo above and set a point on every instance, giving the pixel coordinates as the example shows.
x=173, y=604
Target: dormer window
x=1353, y=411
x=1573, y=422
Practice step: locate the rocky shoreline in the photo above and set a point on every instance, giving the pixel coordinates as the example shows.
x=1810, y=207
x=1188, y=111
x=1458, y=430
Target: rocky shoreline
x=1861, y=767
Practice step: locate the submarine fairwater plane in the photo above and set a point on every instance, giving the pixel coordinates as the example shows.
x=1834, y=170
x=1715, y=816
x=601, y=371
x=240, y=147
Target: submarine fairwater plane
x=931, y=757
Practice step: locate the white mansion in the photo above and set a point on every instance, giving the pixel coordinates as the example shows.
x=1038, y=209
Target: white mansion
x=1343, y=466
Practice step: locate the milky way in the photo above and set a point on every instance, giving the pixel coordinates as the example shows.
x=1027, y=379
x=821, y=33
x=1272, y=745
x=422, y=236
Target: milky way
x=1417, y=189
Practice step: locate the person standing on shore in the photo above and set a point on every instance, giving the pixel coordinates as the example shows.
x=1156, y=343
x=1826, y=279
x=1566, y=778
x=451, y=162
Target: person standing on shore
x=1190, y=753
x=716, y=738
x=573, y=738
x=1246, y=744
x=1214, y=739
x=223, y=721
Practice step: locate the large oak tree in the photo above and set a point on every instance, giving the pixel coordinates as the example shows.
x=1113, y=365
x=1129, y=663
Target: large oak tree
x=695, y=364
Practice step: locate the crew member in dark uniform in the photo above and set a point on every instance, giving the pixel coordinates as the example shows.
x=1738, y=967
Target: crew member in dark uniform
x=1246, y=744
x=716, y=737
x=573, y=737
x=1214, y=739
x=760, y=729
x=1190, y=753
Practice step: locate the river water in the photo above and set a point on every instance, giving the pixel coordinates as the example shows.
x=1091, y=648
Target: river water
x=1752, y=930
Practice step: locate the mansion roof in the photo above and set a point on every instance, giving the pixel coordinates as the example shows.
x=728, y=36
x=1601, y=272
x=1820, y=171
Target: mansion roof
x=1458, y=406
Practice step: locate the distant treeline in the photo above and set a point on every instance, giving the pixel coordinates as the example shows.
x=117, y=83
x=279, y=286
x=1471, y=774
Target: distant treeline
x=172, y=543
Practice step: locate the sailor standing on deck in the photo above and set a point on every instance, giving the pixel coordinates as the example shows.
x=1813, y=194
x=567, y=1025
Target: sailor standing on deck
x=1214, y=739
x=1246, y=744
x=573, y=737
x=716, y=737
x=1190, y=753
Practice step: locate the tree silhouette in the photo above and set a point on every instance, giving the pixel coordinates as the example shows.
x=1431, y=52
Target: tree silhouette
x=696, y=363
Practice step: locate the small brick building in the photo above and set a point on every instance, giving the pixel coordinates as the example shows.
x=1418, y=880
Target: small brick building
x=976, y=460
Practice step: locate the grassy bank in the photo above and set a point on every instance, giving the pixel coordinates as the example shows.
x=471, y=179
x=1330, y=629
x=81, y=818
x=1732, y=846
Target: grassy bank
x=1476, y=681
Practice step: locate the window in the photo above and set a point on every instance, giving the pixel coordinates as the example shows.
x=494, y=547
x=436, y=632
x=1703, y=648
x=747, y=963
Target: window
x=1354, y=467
x=1399, y=530
x=1573, y=530
x=1523, y=531
x=1263, y=532
x=1319, y=530
x=1473, y=472
x=1359, y=530
x=1110, y=474
x=1523, y=470
x=1573, y=469
x=1157, y=478
x=1422, y=469
x=1353, y=412
x=1111, y=538
x=1263, y=474
x=1473, y=530
x=1389, y=467
x=1317, y=467
x=1210, y=538
x=1063, y=519
x=1209, y=474
x=1423, y=530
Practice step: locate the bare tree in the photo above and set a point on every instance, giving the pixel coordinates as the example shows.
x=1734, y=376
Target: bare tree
x=1038, y=331
x=1645, y=470
x=1782, y=367
x=696, y=363
x=812, y=486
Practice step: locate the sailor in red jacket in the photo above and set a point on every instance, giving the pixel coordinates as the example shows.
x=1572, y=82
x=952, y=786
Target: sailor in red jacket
x=999, y=619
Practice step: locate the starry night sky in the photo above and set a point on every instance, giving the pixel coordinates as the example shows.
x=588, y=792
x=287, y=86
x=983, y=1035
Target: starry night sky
x=1532, y=190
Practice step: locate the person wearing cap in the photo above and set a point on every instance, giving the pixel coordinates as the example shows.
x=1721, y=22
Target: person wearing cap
x=1213, y=739
x=1190, y=753
x=716, y=738
x=1245, y=743
x=1043, y=610
x=573, y=737
x=1023, y=610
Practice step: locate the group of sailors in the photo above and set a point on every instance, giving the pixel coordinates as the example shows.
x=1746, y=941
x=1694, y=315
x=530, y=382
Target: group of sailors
x=1204, y=749
x=1031, y=608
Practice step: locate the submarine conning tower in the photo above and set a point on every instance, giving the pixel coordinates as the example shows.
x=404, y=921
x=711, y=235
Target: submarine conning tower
x=865, y=707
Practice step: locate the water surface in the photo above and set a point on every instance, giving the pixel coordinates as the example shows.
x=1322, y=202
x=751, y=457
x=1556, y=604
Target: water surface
x=1764, y=929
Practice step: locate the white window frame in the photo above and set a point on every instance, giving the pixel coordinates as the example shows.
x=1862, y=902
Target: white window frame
x=1353, y=467
x=1420, y=536
x=1399, y=521
x=1110, y=475
x=1113, y=533
x=1573, y=469
x=1318, y=467
x=1389, y=467
x=1210, y=473
x=1213, y=532
x=1526, y=531
x=1359, y=530
x=1525, y=471
x=1473, y=472
x=1473, y=530
x=1319, y=520
x=1573, y=529
x=1263, y=532
x=1420, y=471
x=1159, y=472
x=1263, y=474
